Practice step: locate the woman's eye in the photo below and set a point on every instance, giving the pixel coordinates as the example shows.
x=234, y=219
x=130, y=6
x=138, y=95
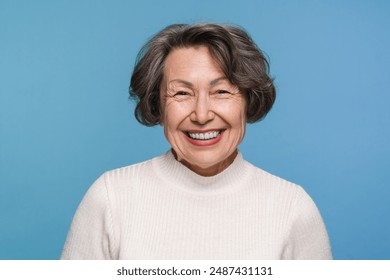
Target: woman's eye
x=181, y=93
x=221, y=91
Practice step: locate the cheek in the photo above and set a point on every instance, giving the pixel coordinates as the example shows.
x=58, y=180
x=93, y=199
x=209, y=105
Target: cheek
x=172, y=116
x=235, y=113
x=241, y=111
x=239, y=122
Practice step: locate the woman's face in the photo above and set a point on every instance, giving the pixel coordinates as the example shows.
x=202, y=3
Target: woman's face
x=203, y=114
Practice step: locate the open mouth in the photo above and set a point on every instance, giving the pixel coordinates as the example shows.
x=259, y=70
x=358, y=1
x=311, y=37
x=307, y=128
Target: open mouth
x=204, y=135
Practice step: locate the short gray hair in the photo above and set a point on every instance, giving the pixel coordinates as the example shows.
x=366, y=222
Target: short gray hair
x=239, y=58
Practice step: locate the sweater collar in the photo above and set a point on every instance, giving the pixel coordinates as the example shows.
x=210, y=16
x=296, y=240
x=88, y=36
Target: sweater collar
x=181, y=177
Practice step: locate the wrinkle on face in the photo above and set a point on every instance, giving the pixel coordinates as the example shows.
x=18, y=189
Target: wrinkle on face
x=195, y=95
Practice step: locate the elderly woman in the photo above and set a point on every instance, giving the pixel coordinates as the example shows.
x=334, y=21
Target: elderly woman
x=201, y=199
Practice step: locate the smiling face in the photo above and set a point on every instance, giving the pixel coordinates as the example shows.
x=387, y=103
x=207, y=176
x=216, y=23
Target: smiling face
x=203, y=114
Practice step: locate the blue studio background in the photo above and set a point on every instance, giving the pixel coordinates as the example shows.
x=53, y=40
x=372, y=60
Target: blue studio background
x=65, y=116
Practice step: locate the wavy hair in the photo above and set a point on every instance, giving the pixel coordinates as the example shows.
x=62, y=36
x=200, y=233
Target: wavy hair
x=239, y=58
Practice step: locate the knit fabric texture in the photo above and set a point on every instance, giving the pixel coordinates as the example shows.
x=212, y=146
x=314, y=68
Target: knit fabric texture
x=160, y=209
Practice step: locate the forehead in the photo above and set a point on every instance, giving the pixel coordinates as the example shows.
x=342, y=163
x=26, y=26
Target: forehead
x=191, y=62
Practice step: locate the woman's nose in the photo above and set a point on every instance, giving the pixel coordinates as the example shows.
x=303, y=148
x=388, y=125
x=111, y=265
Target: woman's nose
x=202, y=111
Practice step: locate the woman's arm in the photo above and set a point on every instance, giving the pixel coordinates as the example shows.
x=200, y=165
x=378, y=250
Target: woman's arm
x=308, y=238
x=91, y=233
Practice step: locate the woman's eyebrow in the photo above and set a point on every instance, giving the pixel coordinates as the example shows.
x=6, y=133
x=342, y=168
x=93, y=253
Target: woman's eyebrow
x=183, y=82
x=213, y=82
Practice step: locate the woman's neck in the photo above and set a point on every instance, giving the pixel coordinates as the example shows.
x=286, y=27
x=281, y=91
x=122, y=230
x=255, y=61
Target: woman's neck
x=209, y=171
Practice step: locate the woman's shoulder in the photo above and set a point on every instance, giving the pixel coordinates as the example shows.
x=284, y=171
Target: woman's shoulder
x=121, y=183
x=280, y=191
x=128, y=170
x=273, y=184
x=126, y=176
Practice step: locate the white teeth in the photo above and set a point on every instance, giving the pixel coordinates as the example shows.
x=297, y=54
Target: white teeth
x=204, y=136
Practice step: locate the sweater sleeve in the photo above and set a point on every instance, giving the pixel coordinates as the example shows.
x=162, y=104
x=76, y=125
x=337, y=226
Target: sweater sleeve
x=308, y=238
x=91, y=232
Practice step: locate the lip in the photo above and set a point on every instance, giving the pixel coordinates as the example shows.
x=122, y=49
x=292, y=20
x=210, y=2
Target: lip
x=203, y=143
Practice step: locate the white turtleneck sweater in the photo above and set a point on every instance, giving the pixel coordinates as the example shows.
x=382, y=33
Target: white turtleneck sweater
x=160, y=209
